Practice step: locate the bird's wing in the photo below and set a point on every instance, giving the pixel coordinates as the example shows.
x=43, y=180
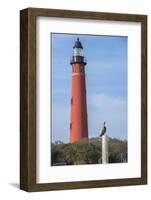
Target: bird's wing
x=102, y=133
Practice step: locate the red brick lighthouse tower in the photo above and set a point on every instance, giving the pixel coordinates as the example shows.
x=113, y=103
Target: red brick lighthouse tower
x=78, y=120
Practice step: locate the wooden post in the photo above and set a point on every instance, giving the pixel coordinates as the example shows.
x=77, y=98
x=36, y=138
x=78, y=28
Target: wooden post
x=104, y=149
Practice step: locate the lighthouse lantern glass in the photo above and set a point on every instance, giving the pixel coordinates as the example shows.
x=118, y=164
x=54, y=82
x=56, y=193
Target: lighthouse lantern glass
x=78, y=52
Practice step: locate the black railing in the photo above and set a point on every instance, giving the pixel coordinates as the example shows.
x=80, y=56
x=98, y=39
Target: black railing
x=78, y=59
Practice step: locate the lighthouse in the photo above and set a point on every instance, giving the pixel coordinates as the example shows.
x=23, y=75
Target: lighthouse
x=78, y=115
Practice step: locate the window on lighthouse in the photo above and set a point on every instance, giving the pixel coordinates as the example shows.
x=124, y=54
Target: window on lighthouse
x=78, y=52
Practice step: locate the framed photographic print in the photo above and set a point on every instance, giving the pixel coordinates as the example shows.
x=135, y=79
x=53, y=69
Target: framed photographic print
x=83, y=99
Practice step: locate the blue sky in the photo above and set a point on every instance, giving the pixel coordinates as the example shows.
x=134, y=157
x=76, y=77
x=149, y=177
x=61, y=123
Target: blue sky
x=106, y=82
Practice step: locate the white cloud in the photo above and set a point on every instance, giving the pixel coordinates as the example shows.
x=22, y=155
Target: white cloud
x=60, y=123
x=111, y=109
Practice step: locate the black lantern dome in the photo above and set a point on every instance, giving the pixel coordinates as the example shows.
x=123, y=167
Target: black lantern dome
x=78, y=44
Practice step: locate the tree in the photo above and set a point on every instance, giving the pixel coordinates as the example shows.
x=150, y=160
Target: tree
x=88, y=151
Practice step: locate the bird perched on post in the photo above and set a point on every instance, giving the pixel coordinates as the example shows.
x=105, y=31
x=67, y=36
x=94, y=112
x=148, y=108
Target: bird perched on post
x=103, y=131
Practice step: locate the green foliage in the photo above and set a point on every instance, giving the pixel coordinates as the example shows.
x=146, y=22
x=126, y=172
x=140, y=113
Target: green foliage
x=57, y=154
x=87, y=151
x=117, y=151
